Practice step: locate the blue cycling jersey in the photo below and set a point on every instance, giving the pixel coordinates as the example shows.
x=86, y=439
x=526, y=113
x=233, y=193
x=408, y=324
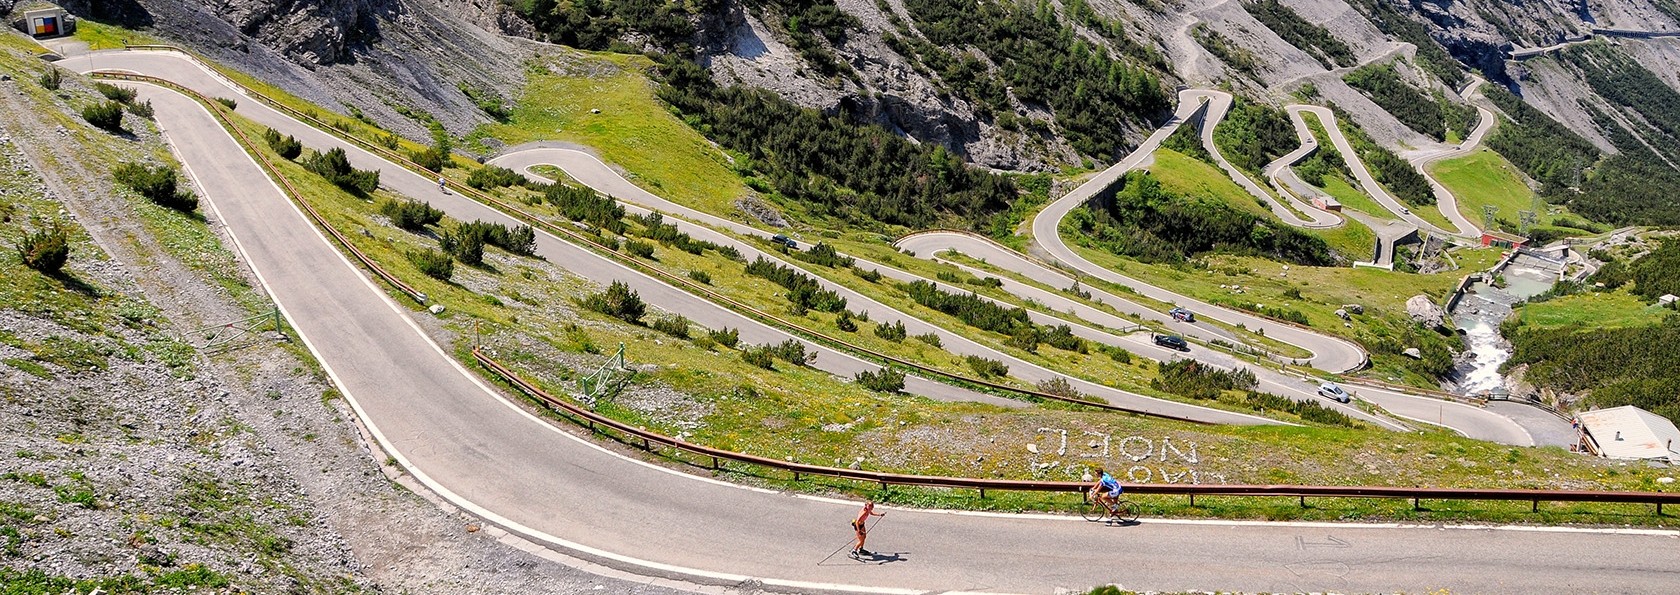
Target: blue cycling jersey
x=1108, y=483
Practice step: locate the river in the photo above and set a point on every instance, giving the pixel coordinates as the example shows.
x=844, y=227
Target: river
x=1479, y=314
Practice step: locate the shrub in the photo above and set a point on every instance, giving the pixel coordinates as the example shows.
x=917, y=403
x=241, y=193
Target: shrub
x=1197, y=380
x=675, y=325
x=45, y=250
x=892, y=332
x=227, y=103
x=431, y=159
x=494, y=176
x=1024, y=338
x=107, y=115
x=114, y=93
x=584, y=204
x=1060, y=387
x=930, y=339
x=639, y=248
x=51, y=79
x=158, y=184
x=726, y=337
x=1117, y=354
x=286, y=146
x=871, y=275
x=986, y=368
x=142, y=109
x=792, y=351
x=463, y=244
x=844, y=321
x=390, y=140
x=824, y=254
x=619, y=301
x=701, y=277
x=885, y=380
x=519, y=239
x=759, y=356
x=803, y=291
x=334, y=165
x=411, y=215
x=434, y=264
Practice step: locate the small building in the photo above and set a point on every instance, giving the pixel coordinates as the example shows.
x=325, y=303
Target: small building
x=1667, y=299
x=1629, y=432
x=1500, y=239
x=1327, y=203
x=46, y=20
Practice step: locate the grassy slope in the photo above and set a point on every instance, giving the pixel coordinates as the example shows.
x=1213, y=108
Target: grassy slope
x=1189, y=176
x=633, y=129
x=1616, y=309
x=1483, y=178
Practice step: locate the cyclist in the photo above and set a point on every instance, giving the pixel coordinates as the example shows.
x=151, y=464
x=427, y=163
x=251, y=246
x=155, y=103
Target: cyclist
x=1106, y=490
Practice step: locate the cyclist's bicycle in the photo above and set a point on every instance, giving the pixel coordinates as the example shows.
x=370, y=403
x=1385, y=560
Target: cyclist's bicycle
x=1123, y=511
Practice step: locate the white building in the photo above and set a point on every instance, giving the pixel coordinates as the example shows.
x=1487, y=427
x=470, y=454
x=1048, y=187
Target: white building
x=1629, y=432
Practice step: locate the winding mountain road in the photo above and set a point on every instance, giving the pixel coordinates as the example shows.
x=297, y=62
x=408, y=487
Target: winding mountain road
x=484, y=454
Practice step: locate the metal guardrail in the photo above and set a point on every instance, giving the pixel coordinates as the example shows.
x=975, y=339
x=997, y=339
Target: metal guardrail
x=586, y=240
x=597, y=422
x=215, y=110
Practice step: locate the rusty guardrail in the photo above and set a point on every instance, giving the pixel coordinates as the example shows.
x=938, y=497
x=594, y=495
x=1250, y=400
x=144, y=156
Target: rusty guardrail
x=596, y=422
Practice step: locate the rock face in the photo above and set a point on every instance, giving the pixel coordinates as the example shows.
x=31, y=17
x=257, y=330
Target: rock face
x=1424, y=311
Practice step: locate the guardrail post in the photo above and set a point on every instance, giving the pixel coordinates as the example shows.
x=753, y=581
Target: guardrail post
x=1659, y=509
x=1192, y=500
x=714, y=463
x=1303, y=501
x=983, y=494
x=1415, y=504
x=1536, y=507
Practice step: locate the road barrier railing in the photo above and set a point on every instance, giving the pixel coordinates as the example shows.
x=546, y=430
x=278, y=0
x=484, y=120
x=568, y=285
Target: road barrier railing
x=215, y=110
x=631, y=434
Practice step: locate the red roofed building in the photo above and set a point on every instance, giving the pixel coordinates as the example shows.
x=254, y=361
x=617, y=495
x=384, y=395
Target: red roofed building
x=1500, y=239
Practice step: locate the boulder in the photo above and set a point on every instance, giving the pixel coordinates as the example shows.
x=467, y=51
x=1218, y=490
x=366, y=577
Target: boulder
x=1412, y=352
x=1342, y=314
x=1424, y=311
x=1354, y=308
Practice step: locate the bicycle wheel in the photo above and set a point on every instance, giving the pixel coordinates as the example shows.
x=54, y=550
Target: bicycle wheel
x=1126, y=511
x=1092, y=511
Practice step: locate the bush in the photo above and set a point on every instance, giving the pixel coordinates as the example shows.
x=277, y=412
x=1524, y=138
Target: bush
x=1117, y=354
x=434, y=264
x=885, y=380
x=142, y=109
x=701, y=277
x=431, y=159
x=463, y=244
x=584, y=204
x=107, y=115
x=158, y=184
x=892, y=332
x=871, y=275
x=286, y=146
x=639, y=249
x=51, y=79
x=930, y=338
x=986, y=368
x=411, y=215
x=803, y=291
x=1197, y=380
x=792, y=351
x=494, y=176
x=1060, y=387
x=519, y=239
x=45, y=250
x=726, y=337
x=227, y=103
x=675, y=325
x=334, y=165
x=759, y=356
x=114, y=93
x=1024, y=338
x=824, y=254
x=619, y=301
x=844, y=321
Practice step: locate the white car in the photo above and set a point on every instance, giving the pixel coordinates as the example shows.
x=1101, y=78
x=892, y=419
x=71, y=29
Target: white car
x=1330, y=390
x=1405, y=211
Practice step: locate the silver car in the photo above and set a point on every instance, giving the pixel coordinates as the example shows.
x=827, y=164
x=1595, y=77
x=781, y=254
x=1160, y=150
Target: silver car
x=1332, y=391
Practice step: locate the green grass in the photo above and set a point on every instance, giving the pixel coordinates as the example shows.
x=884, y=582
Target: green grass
x=1189, y=176
x=633, y=130
x=1353, y=198
x=1484, y=178
x=1432, y=214
x=1615, y=309
x=100, y=36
